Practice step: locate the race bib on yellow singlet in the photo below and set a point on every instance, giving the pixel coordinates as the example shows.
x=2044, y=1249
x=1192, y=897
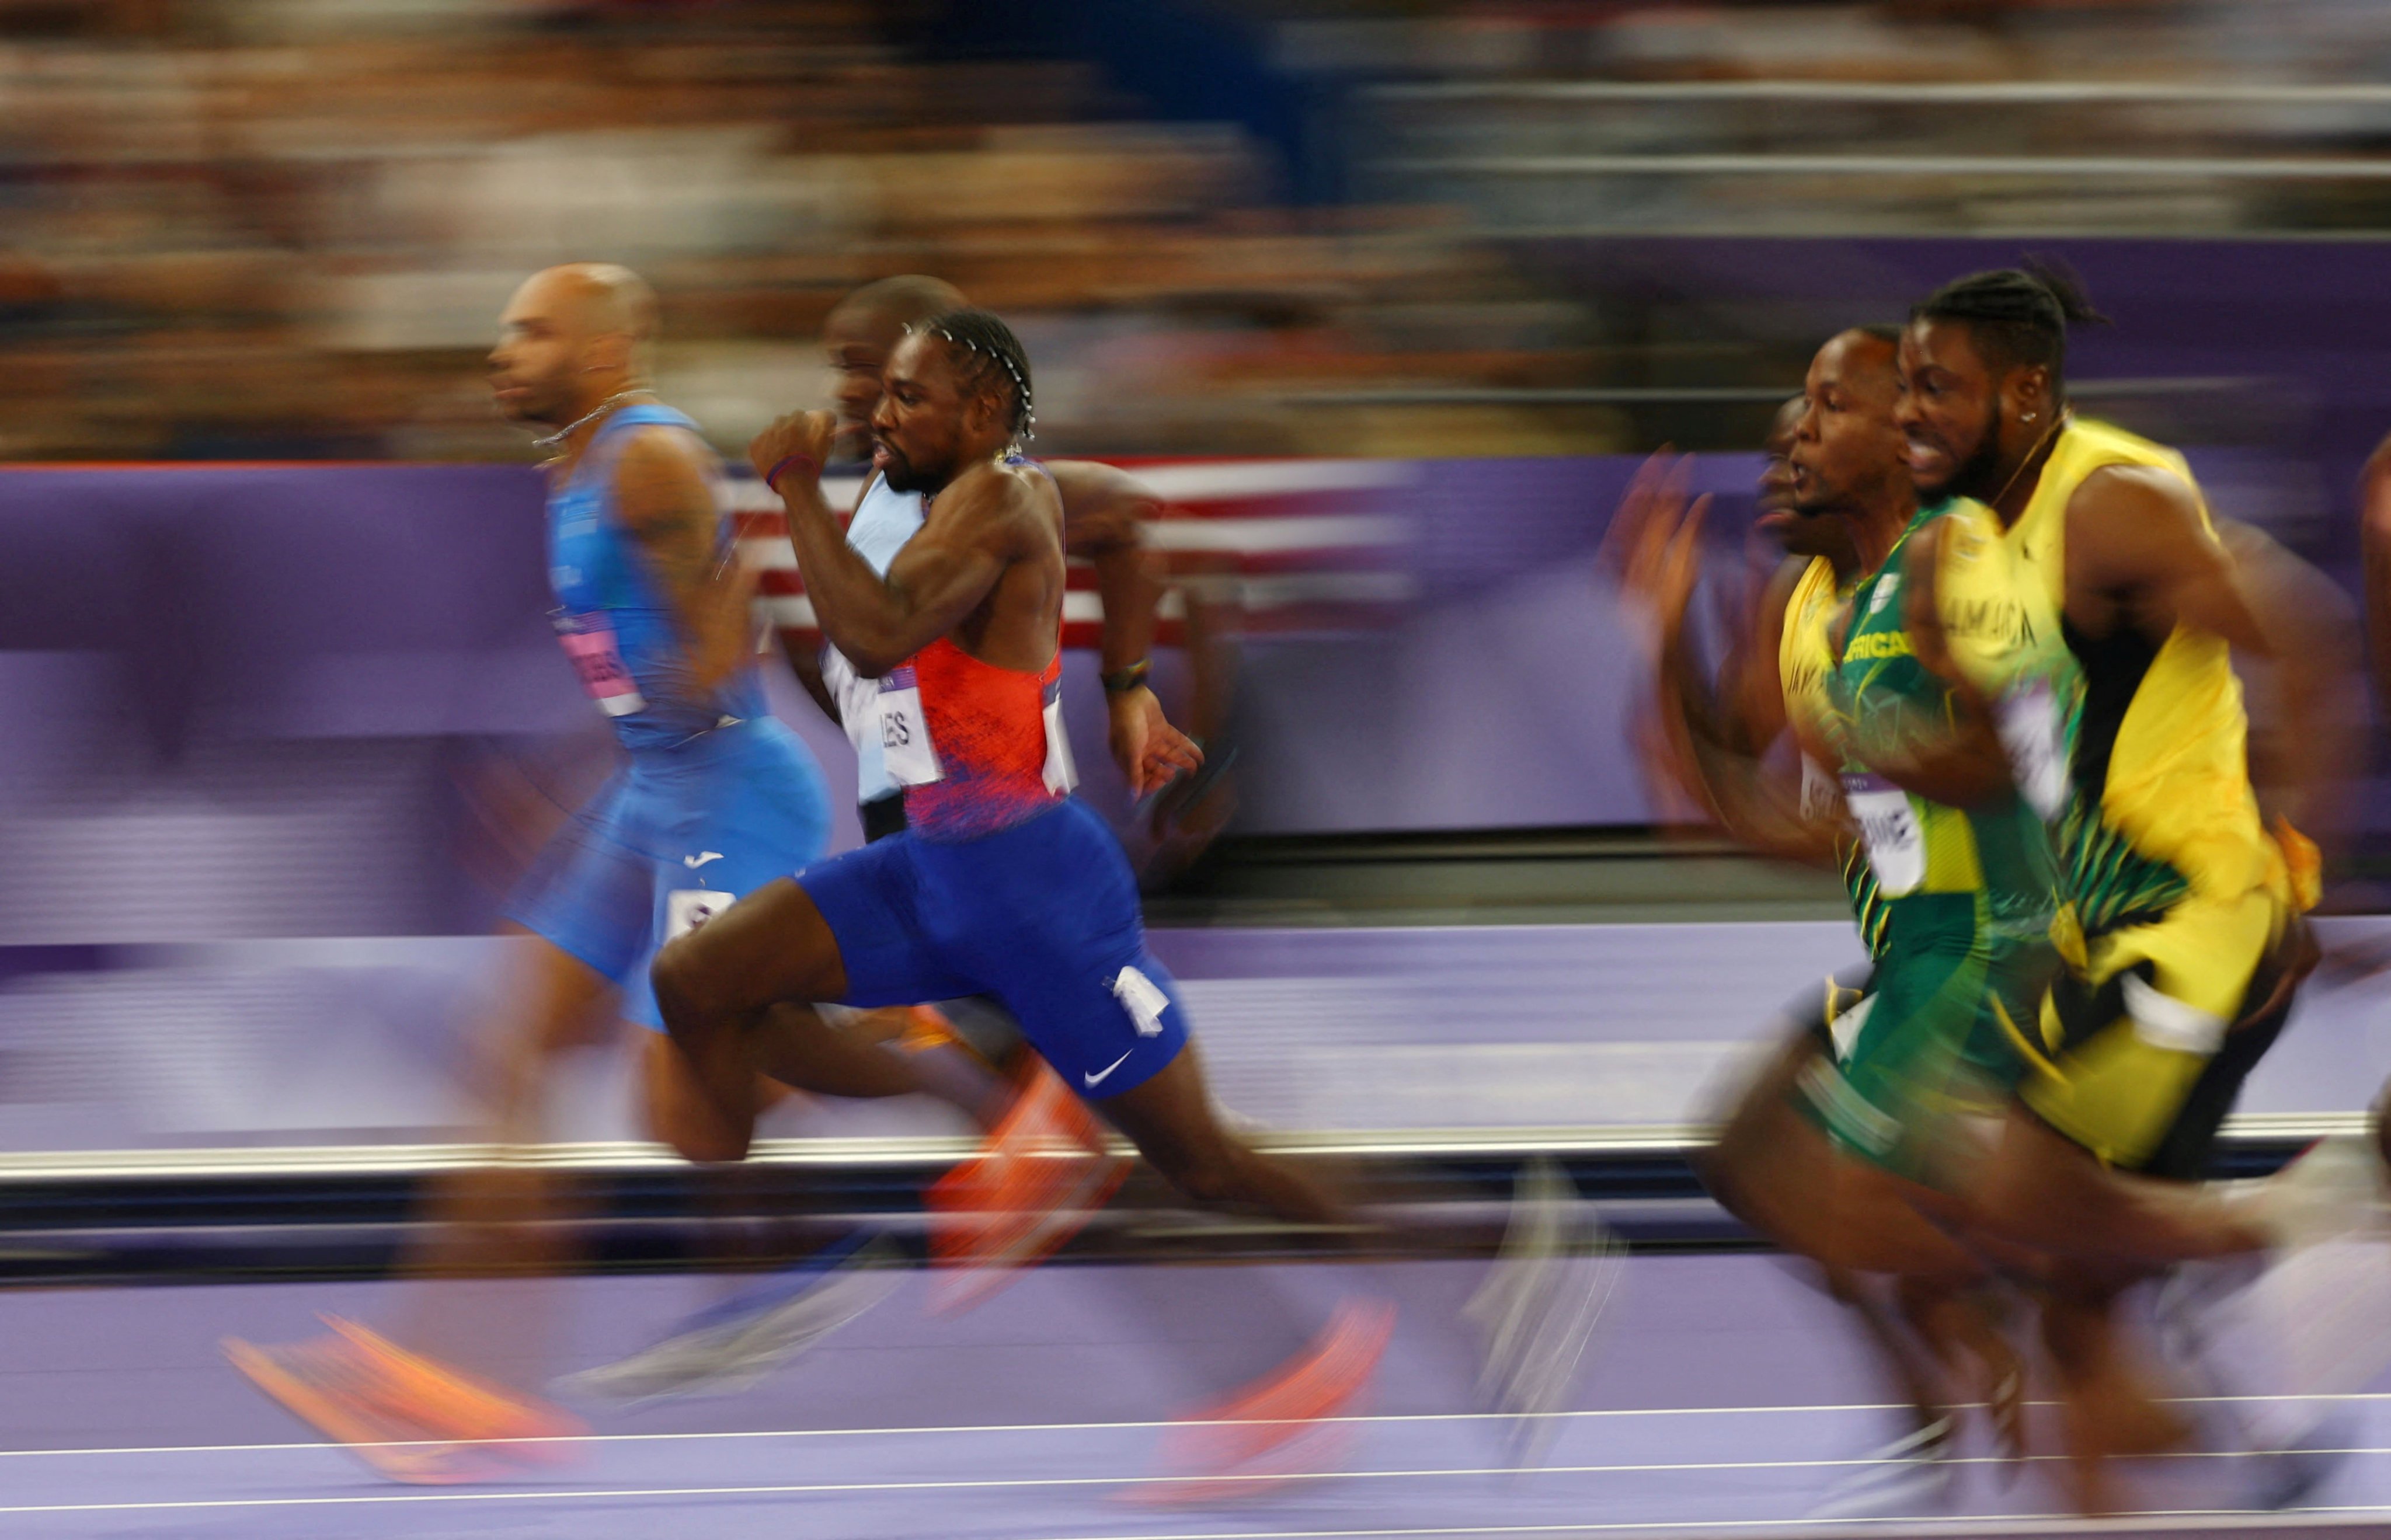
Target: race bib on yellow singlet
x=1819, y=792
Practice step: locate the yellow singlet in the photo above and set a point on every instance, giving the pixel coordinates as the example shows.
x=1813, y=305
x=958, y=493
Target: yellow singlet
x=2139, y=759
x=2173, y=894
x=1806, y=657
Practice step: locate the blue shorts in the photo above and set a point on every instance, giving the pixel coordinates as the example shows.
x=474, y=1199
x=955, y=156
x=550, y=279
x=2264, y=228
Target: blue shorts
x=1044, y=915
x=677, y=834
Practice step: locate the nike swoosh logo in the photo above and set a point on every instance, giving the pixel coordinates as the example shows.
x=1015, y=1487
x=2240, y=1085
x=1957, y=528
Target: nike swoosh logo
x=694, y=862
x=1098, y=1078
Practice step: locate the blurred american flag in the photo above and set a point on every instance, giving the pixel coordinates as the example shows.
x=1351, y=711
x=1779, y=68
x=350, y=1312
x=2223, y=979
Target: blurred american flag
x=1292, y=546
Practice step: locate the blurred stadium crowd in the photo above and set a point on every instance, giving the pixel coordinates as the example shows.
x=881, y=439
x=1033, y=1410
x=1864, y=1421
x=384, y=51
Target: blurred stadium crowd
x=279, y=229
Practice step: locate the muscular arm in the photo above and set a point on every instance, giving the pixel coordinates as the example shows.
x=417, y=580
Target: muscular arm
x=1745, y=712
x=1105, y=512
x=973, y=533
x=2139, y=554
x=665, y=497
x=1965, y=764
x=805, y=663
x=1715, y=748
x=2307, y=749
x=2374, y=541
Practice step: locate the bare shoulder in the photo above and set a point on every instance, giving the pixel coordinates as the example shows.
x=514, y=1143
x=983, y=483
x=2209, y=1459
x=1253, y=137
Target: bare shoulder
x=993, y=497
x=662, y=464
x=1092, y=481
x=2129, y=520
x=2150, y=491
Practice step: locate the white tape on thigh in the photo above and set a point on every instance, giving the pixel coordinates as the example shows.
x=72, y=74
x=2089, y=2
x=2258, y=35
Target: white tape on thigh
x=2163, y=1021
x=1845, y=1028
x=1143, y=1000
x=688, y=907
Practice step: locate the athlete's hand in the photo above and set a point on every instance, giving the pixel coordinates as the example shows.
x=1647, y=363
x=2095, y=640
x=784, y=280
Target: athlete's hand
x=1654, y=542
x=1148, y=749
x=1648, y=511
x=805, y=434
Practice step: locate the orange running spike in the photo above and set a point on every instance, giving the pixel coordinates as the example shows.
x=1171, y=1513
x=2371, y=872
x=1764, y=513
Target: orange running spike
x=323, y=1386
x=1278, y=1430
x=530, y=1430
x=1043, y=1169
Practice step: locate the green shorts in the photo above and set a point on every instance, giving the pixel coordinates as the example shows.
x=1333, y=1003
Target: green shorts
x=1934, y=1036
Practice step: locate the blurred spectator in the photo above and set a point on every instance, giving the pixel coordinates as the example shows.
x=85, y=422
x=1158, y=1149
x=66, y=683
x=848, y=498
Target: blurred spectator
x=281, y=228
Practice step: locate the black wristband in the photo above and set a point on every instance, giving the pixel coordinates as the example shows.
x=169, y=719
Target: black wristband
x=1120, y=681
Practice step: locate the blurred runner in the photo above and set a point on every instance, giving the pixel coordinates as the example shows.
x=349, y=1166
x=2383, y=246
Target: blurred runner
x=1001, y=884
x=1849, y=1127
x=2080, y=601
x=1028, y=1172
x=1105, y=512
x=2375, y=541
x=715, y=798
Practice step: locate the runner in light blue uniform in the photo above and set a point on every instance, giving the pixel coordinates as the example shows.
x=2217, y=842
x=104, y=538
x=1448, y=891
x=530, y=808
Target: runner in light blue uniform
x=715, y=798
x=719, y=797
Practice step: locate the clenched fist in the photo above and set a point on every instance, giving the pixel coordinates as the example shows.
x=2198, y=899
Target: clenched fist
x=805, y=435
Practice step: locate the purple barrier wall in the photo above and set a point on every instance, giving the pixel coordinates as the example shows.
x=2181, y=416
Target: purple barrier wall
x=257, y=628
x=240, y=908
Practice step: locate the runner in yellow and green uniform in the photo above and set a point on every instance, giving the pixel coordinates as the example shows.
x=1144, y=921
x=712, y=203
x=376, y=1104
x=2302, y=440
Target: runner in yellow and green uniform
x=1958, y=912
x=2078, y=596
x=1819, y=1151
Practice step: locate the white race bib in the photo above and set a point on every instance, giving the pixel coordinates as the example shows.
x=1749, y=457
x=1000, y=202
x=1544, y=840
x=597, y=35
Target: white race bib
x=2027, y=721
x=1818, y=796
x=1896, y=846
x=905, y=746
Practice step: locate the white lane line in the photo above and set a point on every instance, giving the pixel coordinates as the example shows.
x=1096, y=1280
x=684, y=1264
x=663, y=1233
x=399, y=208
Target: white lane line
x=827, y=1489
x=1988, y=1524
x=1993, y=1525
x=994, y=1428
x=1390, y=1418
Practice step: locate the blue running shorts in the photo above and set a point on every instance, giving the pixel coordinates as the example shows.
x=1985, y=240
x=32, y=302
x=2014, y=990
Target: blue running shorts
x=1044, y=915
x=677, y=834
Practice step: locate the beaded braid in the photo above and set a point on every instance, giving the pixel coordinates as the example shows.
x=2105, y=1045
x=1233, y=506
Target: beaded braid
x=981, y=333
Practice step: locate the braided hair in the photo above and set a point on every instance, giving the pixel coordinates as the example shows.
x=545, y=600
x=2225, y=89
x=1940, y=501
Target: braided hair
x=987, y=353
x=2021, y=315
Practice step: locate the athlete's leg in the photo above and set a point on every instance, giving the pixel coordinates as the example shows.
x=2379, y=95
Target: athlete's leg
x=1170, y=1118
x=2046, y=1191
x=719, y=986
x=2102, y=1153
x=553, y=1002
x=1808, y=1197
x=480, y=1215
x=2109, y=1407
